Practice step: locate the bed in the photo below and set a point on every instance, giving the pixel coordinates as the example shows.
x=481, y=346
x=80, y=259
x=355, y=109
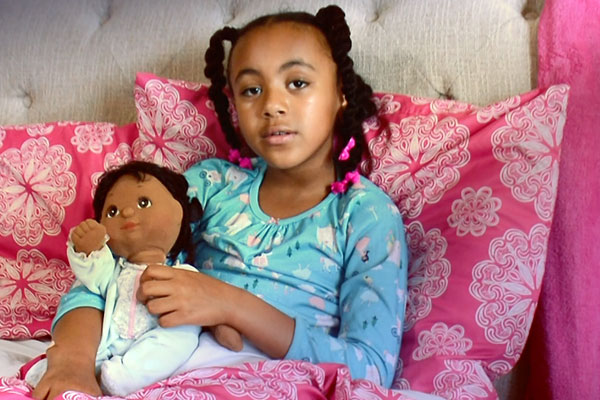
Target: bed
x=81, y=89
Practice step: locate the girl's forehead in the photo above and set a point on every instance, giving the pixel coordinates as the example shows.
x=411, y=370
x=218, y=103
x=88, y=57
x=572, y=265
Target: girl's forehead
x=279, y=35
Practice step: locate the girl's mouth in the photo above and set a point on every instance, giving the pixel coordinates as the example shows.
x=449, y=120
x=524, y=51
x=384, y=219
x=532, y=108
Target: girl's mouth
x=279, y=137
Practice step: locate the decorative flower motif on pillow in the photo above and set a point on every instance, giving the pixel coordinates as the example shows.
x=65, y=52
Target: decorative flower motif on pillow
x=30, y=291
x=442, y=340
x=429, y=271
x=507, y=285
x=475, y=211
x=45, y=187
x=171, y=129
x=93, y=137
x=36, y=185
x=417, y=160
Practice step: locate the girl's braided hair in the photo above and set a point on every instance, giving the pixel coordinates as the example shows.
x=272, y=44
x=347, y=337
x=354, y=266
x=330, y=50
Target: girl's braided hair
x=358, y=94
x=175, y=183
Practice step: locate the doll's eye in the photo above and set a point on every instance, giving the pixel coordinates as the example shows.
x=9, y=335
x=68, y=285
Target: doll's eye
x=112, y=212
x=144, y=202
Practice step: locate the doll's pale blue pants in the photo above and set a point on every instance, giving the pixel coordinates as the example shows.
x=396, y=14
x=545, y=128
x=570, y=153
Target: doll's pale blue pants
x=130, y=365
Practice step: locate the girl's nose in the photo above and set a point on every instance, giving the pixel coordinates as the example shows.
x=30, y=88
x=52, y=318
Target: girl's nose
x=127, y=212
x=275, y=104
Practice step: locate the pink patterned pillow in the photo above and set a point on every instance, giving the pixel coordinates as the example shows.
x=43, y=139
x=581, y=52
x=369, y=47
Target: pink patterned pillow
x=47, y=172
x=477, y=188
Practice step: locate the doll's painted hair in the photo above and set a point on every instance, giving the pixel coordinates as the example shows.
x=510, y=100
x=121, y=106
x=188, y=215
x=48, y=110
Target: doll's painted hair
x=331, y=22
x=175, y=183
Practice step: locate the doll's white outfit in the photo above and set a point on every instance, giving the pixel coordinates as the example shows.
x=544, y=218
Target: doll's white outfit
x=134, y=350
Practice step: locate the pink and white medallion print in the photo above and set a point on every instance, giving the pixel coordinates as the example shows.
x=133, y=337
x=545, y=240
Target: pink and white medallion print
x=36, y=186
x=463, y=380
x=428, y=272
x=417, y=160
x=476, y=187
x=529, y=146
x=507, y=283
x=171, y=129
x=30, y=292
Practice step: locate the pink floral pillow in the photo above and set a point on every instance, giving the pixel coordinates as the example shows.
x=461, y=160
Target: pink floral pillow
x=476, y=186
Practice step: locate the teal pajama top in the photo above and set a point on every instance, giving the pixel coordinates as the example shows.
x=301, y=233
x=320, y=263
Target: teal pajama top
x=339, y=269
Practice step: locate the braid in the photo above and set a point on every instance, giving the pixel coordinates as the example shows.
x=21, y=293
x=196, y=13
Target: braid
x=215, y=72
x=331, y=21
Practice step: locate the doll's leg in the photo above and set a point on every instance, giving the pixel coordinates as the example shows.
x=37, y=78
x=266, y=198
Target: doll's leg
x=153, y=357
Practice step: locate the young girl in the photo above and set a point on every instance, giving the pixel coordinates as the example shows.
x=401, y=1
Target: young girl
x=300, y=254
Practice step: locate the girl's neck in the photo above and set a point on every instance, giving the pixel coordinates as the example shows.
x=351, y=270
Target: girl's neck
x=285, y=193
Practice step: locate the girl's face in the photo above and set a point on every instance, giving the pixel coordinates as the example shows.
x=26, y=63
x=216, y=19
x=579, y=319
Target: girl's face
x=286, y=94
x=141, y=217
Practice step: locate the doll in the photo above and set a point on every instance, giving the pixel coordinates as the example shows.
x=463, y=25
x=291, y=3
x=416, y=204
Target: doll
x=142, y=217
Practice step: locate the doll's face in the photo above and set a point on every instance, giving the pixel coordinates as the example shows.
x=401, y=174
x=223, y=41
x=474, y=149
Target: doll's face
x=141, y=217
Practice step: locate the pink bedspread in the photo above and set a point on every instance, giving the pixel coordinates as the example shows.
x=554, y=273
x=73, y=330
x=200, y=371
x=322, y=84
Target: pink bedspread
x=566, y=329
x=258, y=381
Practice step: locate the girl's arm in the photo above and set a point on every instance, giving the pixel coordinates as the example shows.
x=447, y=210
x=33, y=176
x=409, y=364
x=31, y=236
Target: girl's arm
x=72, y=358
x=182, y=297
x=372, y=296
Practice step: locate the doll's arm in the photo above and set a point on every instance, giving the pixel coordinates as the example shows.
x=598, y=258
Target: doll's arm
x=91, y=260
x=88, y=236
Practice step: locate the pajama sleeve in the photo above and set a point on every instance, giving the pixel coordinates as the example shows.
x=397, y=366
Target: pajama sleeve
x=372, y=299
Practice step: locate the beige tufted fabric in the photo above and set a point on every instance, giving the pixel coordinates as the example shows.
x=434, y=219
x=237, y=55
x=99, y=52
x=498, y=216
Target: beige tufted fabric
x=77, y=59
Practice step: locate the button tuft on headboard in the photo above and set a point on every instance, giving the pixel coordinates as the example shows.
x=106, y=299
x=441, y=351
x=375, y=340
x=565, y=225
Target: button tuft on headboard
x=106, y=13
x=26, y=99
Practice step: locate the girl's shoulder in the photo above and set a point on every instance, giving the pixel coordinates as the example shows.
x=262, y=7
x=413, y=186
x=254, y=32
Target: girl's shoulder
x=365, y=191
x=365, y=197
x=220, y=172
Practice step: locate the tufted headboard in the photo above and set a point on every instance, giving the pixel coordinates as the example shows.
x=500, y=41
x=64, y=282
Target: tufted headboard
x=76, y=60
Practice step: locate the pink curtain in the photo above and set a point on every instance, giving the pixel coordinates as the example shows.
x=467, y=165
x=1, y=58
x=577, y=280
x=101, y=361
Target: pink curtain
x=564, y=348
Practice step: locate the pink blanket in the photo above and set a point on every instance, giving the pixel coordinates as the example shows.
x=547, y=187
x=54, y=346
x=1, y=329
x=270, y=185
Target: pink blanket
x=567, y=326
x=258, y=381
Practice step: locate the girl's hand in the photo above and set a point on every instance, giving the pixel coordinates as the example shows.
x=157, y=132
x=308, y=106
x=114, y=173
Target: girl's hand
x=182, y=297
x=66, y=373
x=72, y=359
x=88, y=236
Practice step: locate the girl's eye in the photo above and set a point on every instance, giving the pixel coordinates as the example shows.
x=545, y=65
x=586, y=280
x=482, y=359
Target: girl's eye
x=298, y=84
x=144, y=202
x=112, y=212
x=251, y=91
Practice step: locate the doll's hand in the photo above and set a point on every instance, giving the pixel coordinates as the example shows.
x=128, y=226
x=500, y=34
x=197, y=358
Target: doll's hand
x=227, y=337
x=88, y=236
